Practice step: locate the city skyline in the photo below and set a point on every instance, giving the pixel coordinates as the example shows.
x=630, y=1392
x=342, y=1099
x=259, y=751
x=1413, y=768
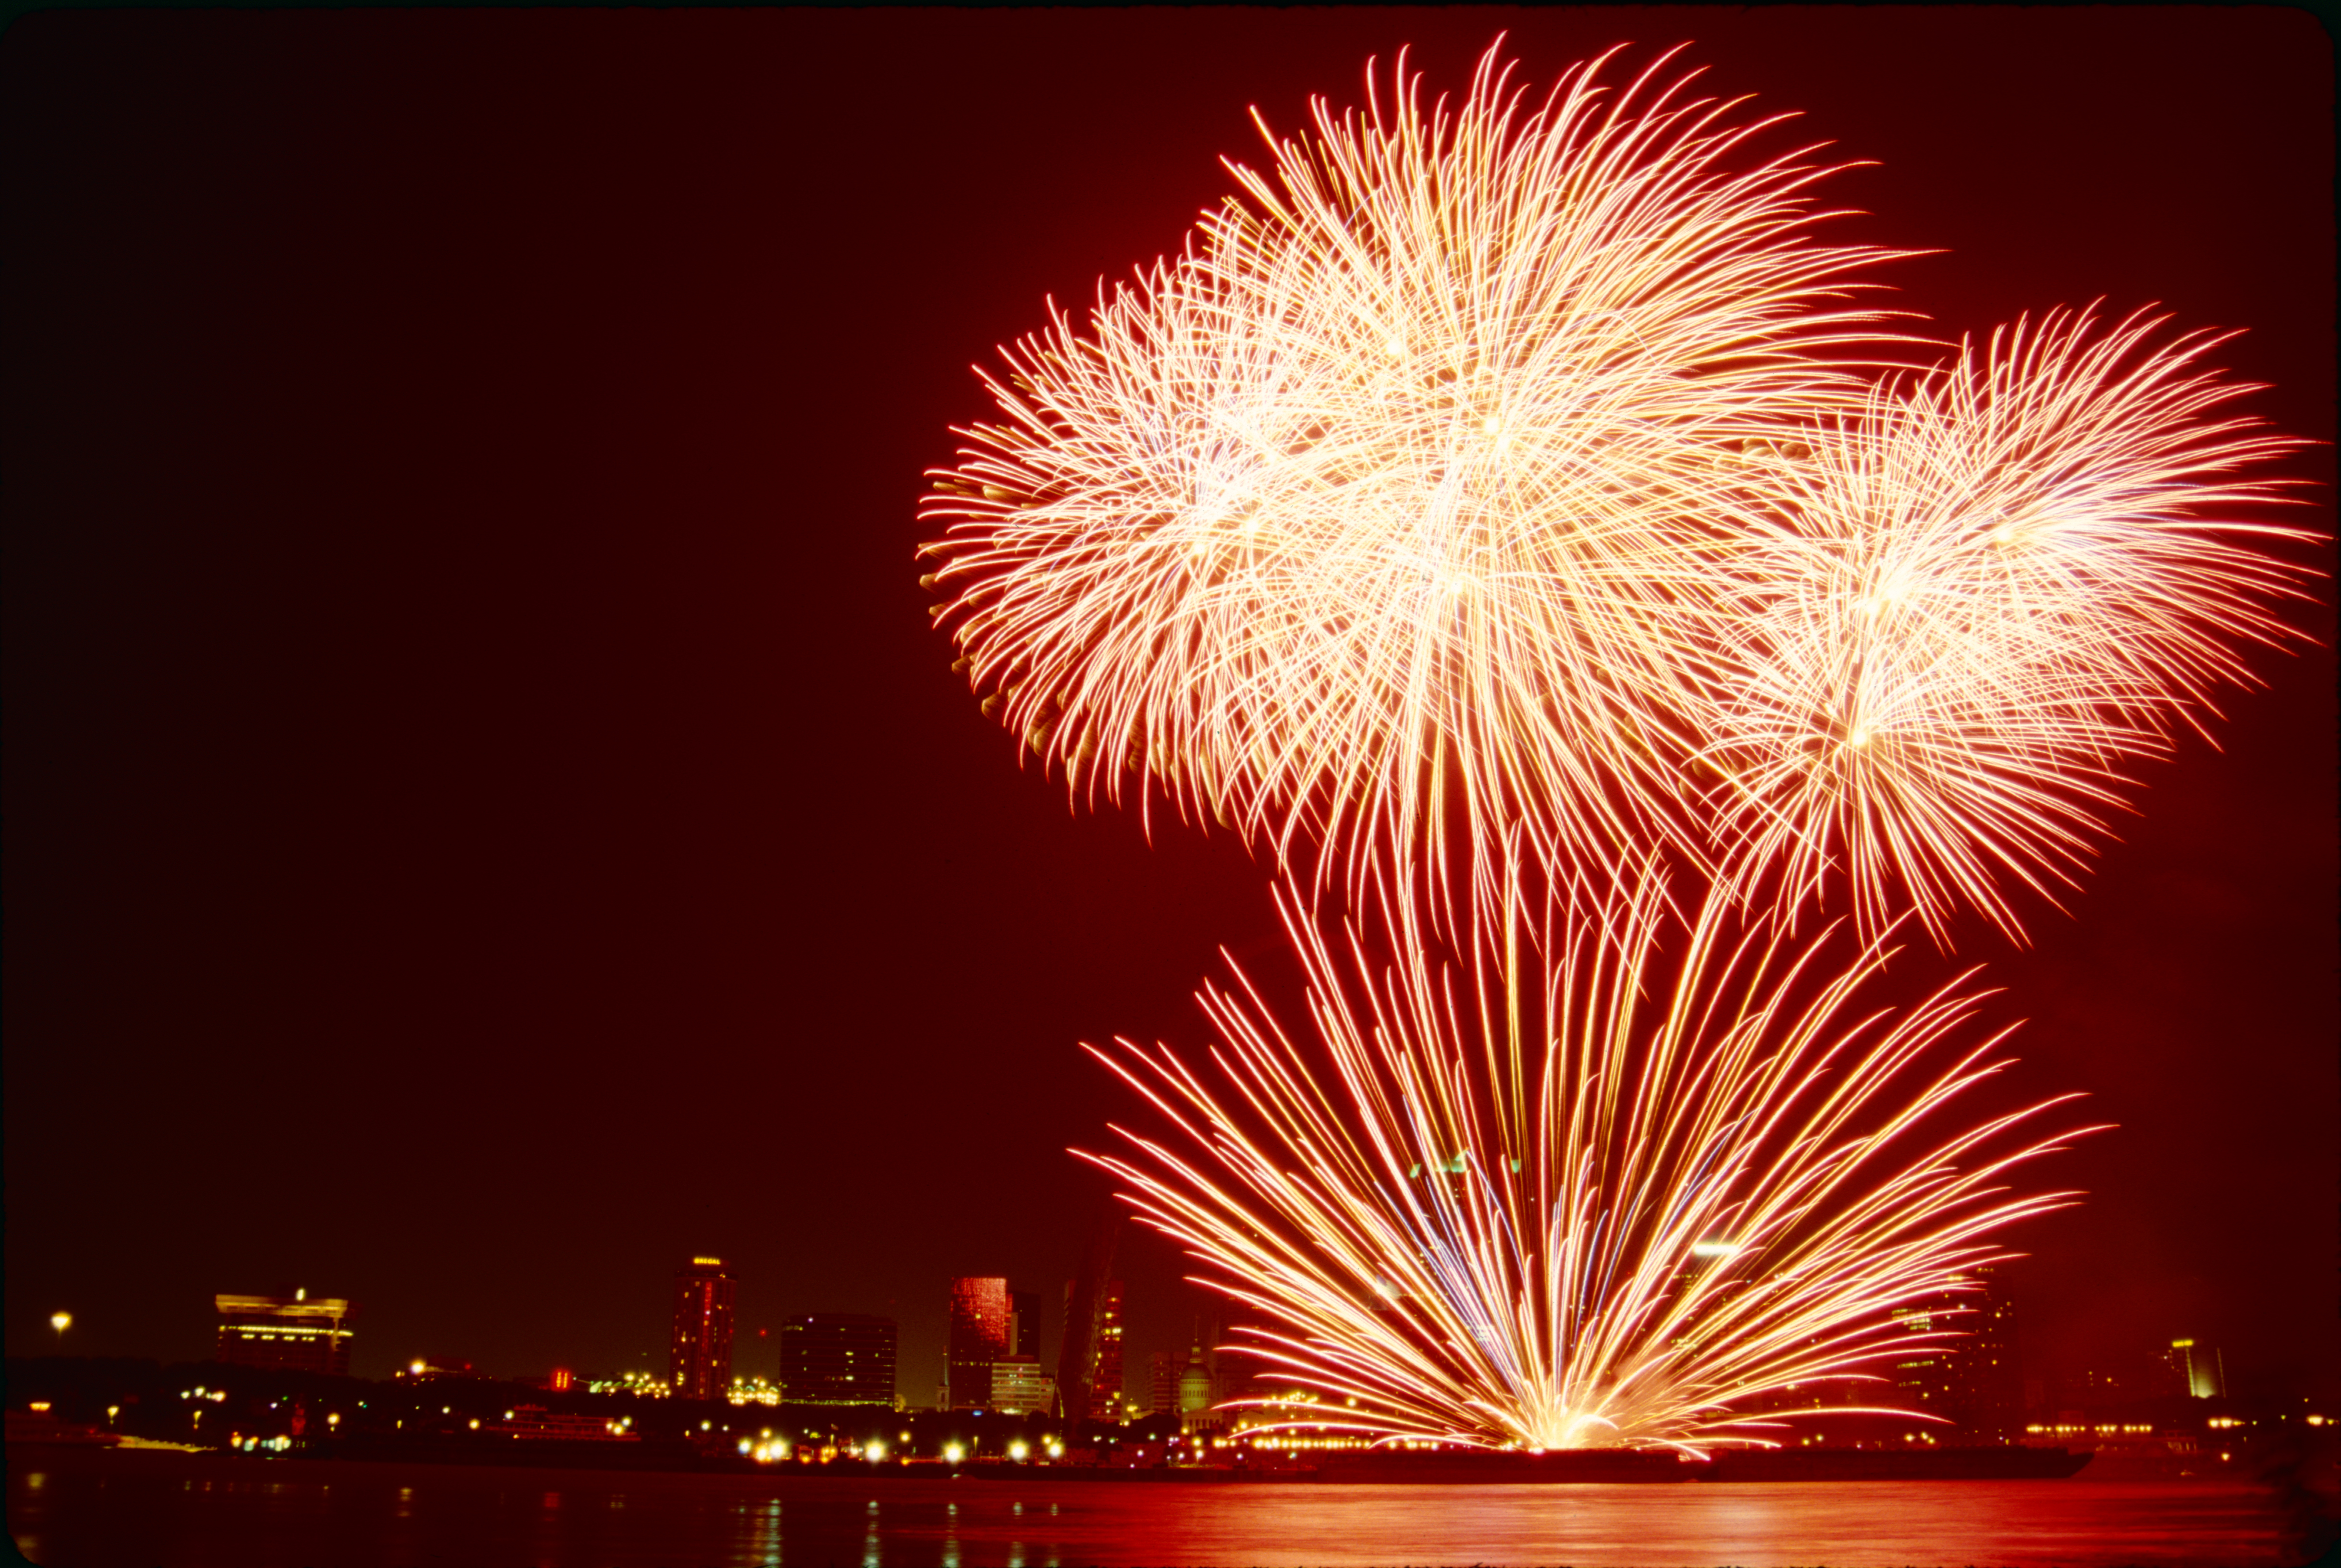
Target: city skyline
x=642, y=746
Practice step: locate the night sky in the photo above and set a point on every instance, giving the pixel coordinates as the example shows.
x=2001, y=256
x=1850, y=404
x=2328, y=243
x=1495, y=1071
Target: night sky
x=488, y=818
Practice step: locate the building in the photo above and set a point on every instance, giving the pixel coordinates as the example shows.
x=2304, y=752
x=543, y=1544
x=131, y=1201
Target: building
x=1961, y=1364
x=699, y=1352
x=2197, y=1371
x=838, y=1358
x=1018, y=1386
x=979, y=1336
x=1197, y=1392
x=1105, y=1381
x=292, y=1332
x=1163, y=1382
x=1024, y=1323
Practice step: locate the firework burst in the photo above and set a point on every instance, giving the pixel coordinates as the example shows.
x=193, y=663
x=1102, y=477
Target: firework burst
x=1994, y=588
x=1578, y=1202
x=1387, y=517
x=1518, y=486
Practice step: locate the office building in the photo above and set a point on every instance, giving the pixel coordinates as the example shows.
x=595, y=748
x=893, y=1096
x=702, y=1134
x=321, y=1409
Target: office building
x=292, y=1332
x=979, y=1336
x=1163, y=1382
x=2197, y=1371
x=1024, y=1323
x=699, y=1352
x=837, y=1358
x=1105, y=1381
x=1965, y=1366
x=1018, y=1386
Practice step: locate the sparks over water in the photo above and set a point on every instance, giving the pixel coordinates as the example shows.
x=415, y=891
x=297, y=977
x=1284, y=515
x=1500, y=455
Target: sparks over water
x=1606, y=1209
x=1515, y=511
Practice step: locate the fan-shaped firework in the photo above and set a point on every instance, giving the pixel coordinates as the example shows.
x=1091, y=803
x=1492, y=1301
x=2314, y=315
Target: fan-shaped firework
x=1401, y=494
x=1592, y=1209
x=1997, y=585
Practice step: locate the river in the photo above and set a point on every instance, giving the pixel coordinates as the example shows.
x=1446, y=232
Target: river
x=144, y=1509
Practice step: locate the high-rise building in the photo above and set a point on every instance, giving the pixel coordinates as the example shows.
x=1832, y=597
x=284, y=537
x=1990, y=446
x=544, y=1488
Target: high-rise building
x=1024, y=1323
x=293, y=1332
x=699, y=1355
x=1105, y=1382
x=979, y=1336
x=2198, y=1371
x=1163, y=1382
x=1077, y=1344
x=1018, y=1386
x=1969, y=1376
x=838, y=1358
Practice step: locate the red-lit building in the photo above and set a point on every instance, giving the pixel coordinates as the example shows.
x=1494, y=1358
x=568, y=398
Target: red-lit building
x=699, y=1356
x=979, y=1336
x=293, y=1332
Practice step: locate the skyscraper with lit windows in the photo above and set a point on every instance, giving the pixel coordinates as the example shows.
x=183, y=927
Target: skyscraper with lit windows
x=1105, y=1384
x=837, y=1358
x=979, y=1336
x=699, y=1352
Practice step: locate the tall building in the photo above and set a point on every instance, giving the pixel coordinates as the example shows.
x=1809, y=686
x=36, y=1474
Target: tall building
x=979, y=1336
x=1105, y=1382
x=1971, y=1374
x=2198, y=1371
x=699, y=1355
x=838, y=1358
x=1024, y=1323
x=292, y=1332
x=1163, y=1382
x=1077, y=1344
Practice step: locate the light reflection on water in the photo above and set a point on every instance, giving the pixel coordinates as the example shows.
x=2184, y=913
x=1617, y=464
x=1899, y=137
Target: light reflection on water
x=97, y=1509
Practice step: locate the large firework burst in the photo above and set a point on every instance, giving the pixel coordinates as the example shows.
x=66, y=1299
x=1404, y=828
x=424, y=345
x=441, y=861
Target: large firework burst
x=1506, y=484
x=1989, y=591
x=1581, y=1202
x=1394, y=500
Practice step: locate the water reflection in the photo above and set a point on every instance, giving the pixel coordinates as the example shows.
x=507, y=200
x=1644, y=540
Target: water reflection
x=210, y=1512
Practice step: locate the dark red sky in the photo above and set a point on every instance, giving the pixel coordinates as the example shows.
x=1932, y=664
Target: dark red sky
x=487, y=816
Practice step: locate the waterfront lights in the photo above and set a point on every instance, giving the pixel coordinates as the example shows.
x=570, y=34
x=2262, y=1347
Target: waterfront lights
x=953, y=1452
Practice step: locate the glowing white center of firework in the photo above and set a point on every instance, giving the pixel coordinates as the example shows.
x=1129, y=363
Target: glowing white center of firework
x=1713, y=1248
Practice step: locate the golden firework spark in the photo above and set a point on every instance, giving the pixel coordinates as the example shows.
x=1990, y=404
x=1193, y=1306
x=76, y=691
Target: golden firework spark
x=1995, y=587
x=1578, y=1202
x=1386, y=516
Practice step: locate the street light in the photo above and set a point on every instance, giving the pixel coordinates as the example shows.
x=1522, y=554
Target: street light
x=61, y=1321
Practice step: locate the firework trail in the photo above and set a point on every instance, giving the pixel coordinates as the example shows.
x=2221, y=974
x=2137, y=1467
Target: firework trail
x=1385, y=516
x=1992, y=588
x=1610, y=1204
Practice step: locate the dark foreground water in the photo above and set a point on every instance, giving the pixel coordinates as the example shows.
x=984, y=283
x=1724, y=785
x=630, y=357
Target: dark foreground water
x=97, y=1509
